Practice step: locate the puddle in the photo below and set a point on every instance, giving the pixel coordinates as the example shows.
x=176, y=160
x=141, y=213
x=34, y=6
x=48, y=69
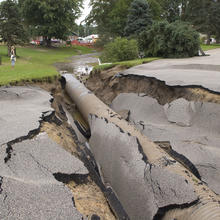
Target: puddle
x=80, y=65
x=83, y=70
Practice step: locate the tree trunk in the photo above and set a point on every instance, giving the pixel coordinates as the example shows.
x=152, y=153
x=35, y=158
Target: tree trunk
x=208, y=39
x=9, y=50
x=202, y=52
x=47, y=41
x=217, y=39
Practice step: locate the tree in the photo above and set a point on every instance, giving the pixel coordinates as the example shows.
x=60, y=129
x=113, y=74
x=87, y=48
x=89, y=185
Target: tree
x=100, y=15
x=139, y=18
x=204, y=15
x=215, y=18
x=155, y=8
x=11, y=26
x=163, y=39
x=118, y=16
x=84, y=30
x=51, y=18
x=110, y=16
x=171, y=10
x=81, y=31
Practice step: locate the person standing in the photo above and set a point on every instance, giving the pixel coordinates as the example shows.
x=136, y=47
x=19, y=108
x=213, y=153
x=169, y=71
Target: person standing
x=13, y=57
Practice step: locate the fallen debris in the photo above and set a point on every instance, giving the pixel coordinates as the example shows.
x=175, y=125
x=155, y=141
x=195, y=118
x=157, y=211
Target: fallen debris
x=92, y=107
x=184, y=126
x=182, y=112
x=143, y=188
x=33, y=158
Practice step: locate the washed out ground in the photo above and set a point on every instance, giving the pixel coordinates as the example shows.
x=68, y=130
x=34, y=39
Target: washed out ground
x=195, y=79
x=89, y=199
x=107, y=85
x=175, y=103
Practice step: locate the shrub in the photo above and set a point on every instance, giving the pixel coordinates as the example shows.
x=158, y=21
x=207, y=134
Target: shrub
x=120, y=49
x=165, y=39
x=102, y=41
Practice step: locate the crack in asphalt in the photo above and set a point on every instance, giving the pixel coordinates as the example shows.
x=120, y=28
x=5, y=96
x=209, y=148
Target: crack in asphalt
x=31, y=134
x=1, y=181
x=39, y=164
x=180, y=158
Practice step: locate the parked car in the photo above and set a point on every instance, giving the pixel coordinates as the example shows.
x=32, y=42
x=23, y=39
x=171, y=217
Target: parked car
x=35, y=42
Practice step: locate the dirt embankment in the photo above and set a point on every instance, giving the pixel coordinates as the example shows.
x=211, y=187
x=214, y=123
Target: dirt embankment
x=108, y=84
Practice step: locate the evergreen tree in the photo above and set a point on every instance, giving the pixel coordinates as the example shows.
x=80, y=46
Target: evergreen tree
x=139, y=18
x=12, y=29
x=163, y=39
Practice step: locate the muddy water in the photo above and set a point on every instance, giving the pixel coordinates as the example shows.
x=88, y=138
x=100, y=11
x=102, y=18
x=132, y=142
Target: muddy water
x=80, y=65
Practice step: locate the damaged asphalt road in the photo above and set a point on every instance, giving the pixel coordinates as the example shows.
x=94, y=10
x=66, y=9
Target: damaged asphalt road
x=29, y=161
x=191, y=129
x=143, y=188
x=150, y=183
x=196, y=71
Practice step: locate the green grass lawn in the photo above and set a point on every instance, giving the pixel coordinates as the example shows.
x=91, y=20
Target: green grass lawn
x=131, y=63
x=126, y=64
x=35, y=62
x=210, y=47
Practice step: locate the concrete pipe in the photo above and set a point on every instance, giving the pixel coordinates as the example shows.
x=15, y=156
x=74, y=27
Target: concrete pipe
x=149, y=183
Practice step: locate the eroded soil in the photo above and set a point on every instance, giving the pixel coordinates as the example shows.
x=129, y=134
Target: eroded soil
x=108, y=84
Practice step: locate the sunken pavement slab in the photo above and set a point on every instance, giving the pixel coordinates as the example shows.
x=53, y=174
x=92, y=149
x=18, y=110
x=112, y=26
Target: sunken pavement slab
x=142, y=188
x=191, y=129
x=28, y=188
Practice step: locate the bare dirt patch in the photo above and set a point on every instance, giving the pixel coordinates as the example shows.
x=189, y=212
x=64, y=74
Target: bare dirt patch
x=90, y=200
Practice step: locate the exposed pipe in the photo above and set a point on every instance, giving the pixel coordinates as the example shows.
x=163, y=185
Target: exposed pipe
x=90, y=107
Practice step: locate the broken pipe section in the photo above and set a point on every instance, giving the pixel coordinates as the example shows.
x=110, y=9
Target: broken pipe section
x=148, y=182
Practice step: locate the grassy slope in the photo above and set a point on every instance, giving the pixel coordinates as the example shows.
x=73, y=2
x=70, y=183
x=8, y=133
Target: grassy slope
x=126, y=64
x=210, y=47
x=35, y=62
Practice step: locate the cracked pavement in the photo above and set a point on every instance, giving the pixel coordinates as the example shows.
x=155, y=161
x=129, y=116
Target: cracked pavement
x=28, y=189
x=196, y=71
x=184, y=126
x=143, y=188
x=149, y=181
